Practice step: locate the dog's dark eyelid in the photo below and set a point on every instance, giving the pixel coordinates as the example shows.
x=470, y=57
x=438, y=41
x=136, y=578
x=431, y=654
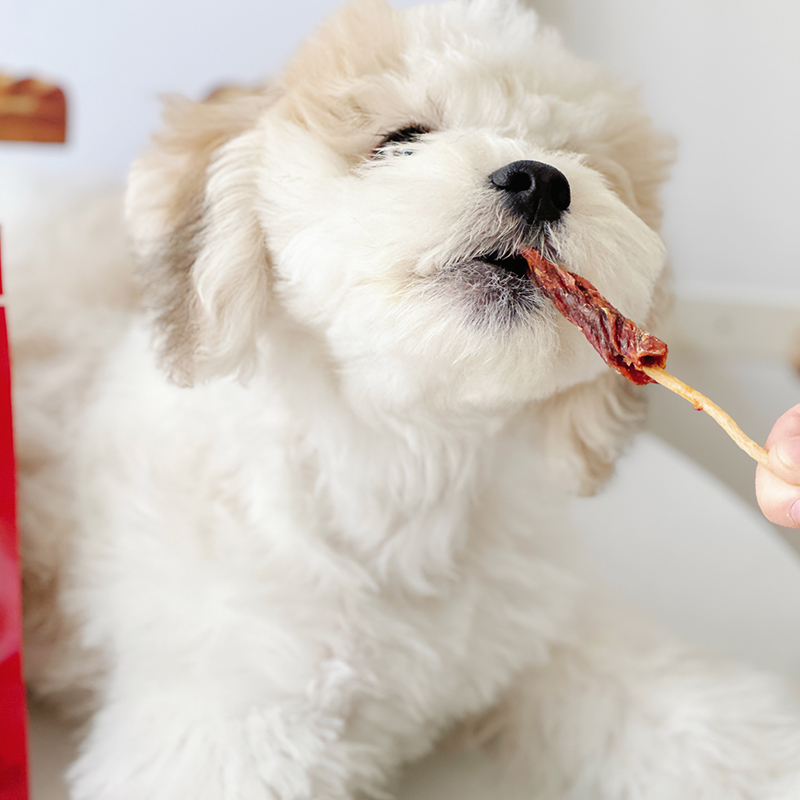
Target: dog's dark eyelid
x=403, y=135
x=407, y=134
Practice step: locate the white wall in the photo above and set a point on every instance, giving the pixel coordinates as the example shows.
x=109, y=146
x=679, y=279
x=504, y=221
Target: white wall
x=722, y=75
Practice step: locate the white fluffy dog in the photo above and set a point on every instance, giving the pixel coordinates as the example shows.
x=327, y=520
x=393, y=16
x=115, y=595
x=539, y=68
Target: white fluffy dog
x=316, y=521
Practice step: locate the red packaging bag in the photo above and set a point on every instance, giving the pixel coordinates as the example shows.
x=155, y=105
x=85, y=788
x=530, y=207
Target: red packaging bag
x=13, y=740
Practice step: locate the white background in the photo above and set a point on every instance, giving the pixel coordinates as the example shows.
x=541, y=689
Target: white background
x=723, y=76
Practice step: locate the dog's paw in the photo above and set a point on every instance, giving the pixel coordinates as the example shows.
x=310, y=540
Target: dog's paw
x=678, y=727
x=161, y=755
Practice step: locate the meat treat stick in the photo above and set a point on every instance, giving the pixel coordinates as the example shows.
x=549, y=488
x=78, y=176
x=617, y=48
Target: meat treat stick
x=623, y=345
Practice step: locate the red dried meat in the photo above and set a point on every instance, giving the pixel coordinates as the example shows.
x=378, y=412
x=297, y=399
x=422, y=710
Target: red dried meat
x=621, y=343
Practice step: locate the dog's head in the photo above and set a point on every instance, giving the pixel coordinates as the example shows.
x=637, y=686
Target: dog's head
x=378, y=194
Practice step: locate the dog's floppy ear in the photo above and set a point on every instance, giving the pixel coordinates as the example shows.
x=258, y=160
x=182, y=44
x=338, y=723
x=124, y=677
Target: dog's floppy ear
x=587, y=427
x=191, y=214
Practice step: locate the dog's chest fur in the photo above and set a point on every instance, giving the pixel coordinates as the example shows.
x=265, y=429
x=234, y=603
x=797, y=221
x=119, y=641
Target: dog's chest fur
x=395, y=589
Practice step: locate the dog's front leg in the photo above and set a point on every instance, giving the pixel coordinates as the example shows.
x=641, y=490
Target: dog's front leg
x=622, y=712
x=194, y=735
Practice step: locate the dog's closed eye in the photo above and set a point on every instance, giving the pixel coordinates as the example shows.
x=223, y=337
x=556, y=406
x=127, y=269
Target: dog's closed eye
x=392, y=142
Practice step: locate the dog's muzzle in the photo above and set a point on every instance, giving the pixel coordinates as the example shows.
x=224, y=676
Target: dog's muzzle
x=536, y=191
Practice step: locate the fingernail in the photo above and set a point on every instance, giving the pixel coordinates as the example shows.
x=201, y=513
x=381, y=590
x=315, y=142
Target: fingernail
x=795, y=512
x=788, y=452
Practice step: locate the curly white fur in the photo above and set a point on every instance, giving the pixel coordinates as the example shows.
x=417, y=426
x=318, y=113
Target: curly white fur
x=305, y=512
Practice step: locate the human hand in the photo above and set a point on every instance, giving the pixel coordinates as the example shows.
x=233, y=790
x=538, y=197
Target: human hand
x=778, y=488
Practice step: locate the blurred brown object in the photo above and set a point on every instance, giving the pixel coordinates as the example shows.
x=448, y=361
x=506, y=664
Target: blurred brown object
x=31, y=111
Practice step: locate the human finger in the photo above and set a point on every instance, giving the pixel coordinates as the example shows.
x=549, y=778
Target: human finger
x=783, y=447
x=778, y=500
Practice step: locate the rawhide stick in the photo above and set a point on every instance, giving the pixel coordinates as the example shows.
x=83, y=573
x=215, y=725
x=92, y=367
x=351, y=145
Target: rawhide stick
x=623, y=345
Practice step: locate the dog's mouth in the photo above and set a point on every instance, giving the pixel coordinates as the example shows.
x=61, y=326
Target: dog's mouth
x=514, y=264
x=496, y=285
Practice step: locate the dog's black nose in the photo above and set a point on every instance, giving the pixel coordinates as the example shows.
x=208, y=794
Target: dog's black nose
x=537, y=191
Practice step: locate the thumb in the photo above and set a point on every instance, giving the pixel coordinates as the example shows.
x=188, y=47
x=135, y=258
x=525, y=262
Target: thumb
x=783, y=447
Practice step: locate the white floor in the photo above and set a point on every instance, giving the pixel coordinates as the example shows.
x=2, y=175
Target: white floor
x=705, y=562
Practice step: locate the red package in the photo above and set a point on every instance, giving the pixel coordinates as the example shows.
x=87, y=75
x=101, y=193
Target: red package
x=13, y=740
